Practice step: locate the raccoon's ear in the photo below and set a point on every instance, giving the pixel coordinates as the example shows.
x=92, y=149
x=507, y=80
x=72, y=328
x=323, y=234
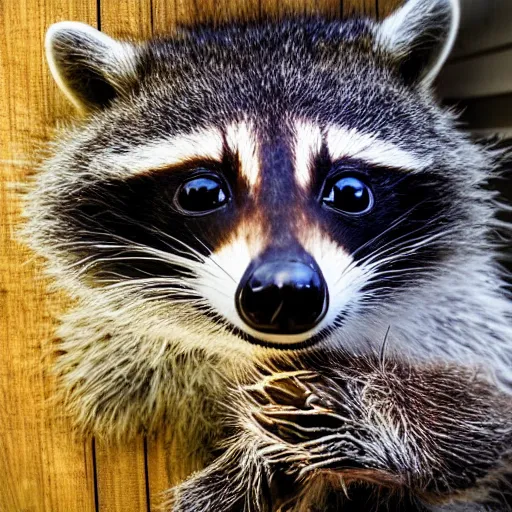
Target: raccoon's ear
x=90, y=68
x=421, y=35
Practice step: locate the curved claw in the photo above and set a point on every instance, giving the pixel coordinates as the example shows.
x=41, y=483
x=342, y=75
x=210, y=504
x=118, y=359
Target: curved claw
x=284, y=389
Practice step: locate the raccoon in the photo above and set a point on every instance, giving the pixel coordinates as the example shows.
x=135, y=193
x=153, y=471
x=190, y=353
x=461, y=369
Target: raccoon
x=248, y=193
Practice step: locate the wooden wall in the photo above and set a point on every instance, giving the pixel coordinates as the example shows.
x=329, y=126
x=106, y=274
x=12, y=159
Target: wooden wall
x=43, y=467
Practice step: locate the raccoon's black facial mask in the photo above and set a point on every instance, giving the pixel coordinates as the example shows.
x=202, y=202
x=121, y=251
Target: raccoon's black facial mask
x=394, y=220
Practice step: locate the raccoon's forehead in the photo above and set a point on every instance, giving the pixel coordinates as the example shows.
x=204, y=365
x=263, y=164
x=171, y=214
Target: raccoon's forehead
x=321, y=73
x=153, y=134
x=211, y=90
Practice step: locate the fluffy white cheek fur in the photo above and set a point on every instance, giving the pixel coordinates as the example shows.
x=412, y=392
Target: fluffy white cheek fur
x=344, y=277
x=221, y=274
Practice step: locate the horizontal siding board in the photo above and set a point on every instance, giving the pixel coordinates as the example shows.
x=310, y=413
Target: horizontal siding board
x=491, y=114
x=486, y=75
x=485, y=25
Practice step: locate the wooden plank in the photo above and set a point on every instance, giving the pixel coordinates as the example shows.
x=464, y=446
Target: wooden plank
x=227, y=10
x=386, y=7
x=43, y=468
x=127, y=18
x=169, y=463
x=167, y=15
x=121, y=477
x=273, y=9
x=485, y=24
x=492, y=113
x=358, y=7
x=159, y=472
x=486, y=75
x=328, y=8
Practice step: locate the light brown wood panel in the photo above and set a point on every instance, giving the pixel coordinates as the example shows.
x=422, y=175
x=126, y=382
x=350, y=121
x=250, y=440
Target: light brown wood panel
x=330, y=8
x=282, y=8
x=169, y=462
x=161, y=474
x=121, y=478
x=120, y=469
x=46, y=469
x=126, y=18
x=367, y=7
x=43, y=467
x=387, y=7
x=169, y=14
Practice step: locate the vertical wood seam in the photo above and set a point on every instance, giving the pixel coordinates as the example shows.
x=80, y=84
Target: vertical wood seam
x=151, y=18
x=95, y=472
x=146, y=475
x=145, y=443
x=98, y=13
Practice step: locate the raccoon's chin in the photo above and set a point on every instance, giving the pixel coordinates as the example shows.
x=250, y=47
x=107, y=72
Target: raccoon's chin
x=287, y=342
x=281, y=342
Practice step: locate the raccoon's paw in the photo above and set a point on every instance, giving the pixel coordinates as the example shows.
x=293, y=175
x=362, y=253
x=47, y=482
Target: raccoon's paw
x=306, y=430
x=294, y=389
x=311, y=424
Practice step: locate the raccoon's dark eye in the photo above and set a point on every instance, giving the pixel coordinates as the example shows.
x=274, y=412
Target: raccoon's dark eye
x=348, y=194
x=202, y=194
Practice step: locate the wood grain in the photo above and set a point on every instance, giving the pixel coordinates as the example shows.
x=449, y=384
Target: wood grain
x=43, y=467
x=386, y=7
x=120, y=470
x=353, y=7
x=164, y=470
x=167, y=15
x=127, y=18
x=121, y=478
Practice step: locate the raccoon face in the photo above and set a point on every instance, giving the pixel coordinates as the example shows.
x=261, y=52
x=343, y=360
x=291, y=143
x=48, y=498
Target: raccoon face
x=270, y=185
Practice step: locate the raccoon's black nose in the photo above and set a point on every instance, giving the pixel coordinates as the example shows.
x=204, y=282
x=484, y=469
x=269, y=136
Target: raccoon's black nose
x=283, y=297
